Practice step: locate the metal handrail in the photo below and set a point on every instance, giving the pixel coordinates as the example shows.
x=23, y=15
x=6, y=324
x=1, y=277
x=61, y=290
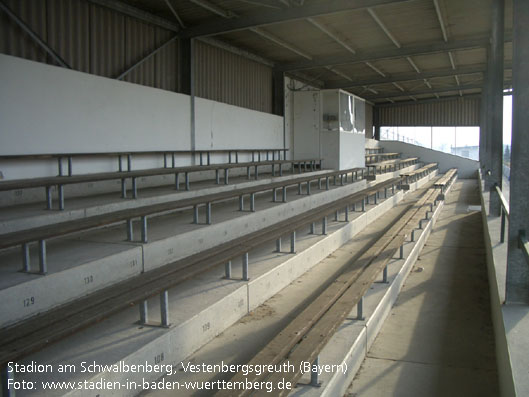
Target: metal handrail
x=504, y=212
x=523, y=244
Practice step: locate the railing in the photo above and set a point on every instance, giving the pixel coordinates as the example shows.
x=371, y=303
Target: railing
x=523, y=244
x=504, y=212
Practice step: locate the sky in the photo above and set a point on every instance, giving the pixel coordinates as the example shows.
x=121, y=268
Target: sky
x=507, y=119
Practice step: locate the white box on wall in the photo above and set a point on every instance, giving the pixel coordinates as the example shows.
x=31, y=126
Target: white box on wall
x=329, y=124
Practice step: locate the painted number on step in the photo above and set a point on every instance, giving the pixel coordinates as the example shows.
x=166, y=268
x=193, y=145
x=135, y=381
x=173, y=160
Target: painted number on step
x=206, y=327
x=158, y=358
x=89, y=279
x=170, y=251
x=133, y=263
x=29, y=301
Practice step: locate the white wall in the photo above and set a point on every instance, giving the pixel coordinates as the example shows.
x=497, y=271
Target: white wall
x=466, y=168
x=222, y=126
x=49, y=109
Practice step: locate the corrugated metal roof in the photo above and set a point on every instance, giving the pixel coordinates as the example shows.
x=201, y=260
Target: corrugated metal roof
x=455, y=112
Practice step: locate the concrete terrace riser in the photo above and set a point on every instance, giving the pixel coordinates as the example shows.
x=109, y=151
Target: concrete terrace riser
x=135, y=258
x=354, y=338
x=80, y=280
x=187, y=335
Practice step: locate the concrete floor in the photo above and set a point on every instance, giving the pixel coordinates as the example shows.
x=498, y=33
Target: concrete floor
x=438, y=339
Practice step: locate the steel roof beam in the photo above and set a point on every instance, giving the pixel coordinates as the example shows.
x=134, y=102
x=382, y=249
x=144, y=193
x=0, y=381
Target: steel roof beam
x=332, y=35
x=422, y=49
x=137, y=13
x=170, y=6
x=280, y=42
x=269, y=17
x=425, y=100
x=424, y=92
x=214, y=8
x=401, y=77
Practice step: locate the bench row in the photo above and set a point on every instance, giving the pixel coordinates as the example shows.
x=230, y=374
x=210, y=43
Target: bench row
x=169, y=156
x=59, y=181
x=35, y=333
x=42, y=233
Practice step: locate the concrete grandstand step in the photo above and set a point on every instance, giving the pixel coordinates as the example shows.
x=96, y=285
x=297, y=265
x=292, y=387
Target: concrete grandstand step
x=15, y=218
x=89, y=261
x=196, y=321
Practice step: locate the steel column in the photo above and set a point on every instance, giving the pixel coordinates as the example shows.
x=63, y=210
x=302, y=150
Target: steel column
x=517, y=280
x=496, y=99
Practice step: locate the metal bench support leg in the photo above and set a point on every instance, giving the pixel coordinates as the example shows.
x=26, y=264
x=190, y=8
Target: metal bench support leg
x=227, y=270
x=324, y=225
x=245, y=267
x=208, y=213
x=144, y=312
x=280, y=169
x=134, y=188
x=26, y=260
x=274, y=195
x=284, y=194
x=278, y=244
x=385, y=275
x=61, y=197
x=327, y=183
x=195, y=214
x=217, y=177
x=226, y=176
x=401, y=252
x=360, y=309
x=314, y=382
x=252, y=202
x=346, y=213
x=144, y=229
x=248, y=176
x=43, y=266
x=241, y=203
x=164, y=308
x=312, y=228
x=6, y=377
x=49, y=200
x=256, y=172
x=130, y=230
x=123, y=188
x=293, y=242
x=187, y=181
x=176, y=181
